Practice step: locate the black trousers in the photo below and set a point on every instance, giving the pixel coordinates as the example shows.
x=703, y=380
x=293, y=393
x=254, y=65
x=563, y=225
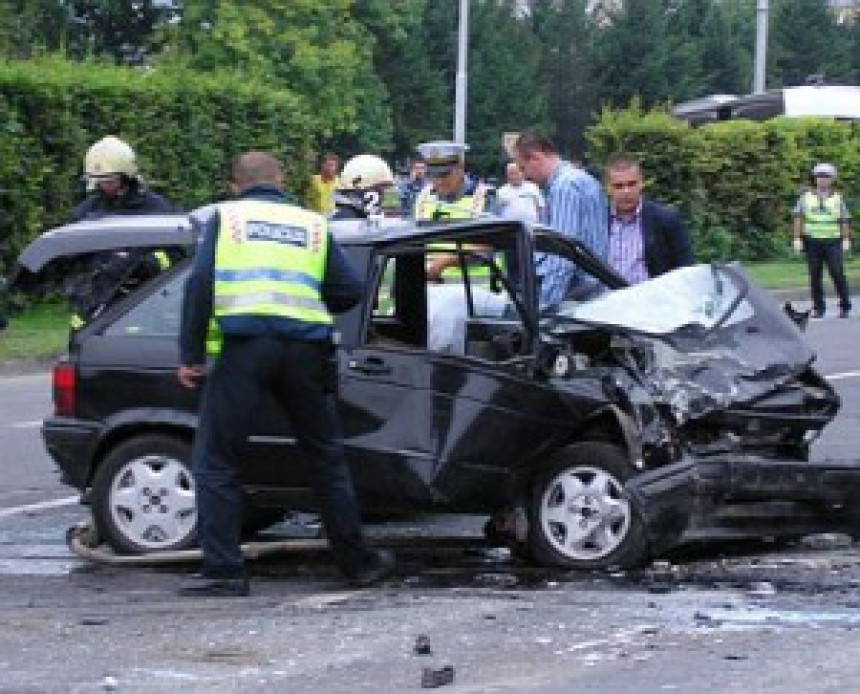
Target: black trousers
x=821, y=252
x=294, y=373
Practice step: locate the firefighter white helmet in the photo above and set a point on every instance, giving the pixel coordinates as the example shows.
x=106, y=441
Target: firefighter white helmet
x=365, y=171
x=110, y=156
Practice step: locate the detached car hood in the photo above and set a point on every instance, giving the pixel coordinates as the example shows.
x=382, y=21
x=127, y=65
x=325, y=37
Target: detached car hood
x=697, y=339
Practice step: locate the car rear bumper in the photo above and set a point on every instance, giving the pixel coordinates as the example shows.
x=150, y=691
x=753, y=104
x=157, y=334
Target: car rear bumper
x=71, y=443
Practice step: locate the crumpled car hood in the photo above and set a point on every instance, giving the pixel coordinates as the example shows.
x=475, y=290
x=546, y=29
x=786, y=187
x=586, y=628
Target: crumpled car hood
x=697, y=339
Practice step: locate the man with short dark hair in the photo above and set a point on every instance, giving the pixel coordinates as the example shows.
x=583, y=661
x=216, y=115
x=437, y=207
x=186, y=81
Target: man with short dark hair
x=575, y=207
x=646, y=239
x=412, y=188
x=271, y=274
x=324, y=184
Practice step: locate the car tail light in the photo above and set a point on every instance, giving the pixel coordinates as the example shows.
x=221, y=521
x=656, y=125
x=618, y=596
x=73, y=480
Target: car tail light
x=65, y=380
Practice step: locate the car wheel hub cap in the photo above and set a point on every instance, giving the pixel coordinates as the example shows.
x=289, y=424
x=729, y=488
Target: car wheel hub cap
x=152, y=501
x=584, y=513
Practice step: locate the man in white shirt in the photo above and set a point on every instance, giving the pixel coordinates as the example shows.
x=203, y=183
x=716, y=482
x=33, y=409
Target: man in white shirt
x=518, y=198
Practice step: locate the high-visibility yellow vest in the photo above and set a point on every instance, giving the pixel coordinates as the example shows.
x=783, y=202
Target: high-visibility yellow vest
x=270, y=261
x=821, y=218
x=214, y=338
x=428, y=207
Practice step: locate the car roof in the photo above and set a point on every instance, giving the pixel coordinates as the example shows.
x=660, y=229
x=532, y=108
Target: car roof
x=163, y=231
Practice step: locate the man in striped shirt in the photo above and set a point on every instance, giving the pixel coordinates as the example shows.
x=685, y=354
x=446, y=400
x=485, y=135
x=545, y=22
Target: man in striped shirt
x=575, y=207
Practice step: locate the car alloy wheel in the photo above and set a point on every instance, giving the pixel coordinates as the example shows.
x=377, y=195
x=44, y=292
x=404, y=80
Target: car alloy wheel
x=152, y=501
x=580, y=517
x=143, y=495
x=584, y=513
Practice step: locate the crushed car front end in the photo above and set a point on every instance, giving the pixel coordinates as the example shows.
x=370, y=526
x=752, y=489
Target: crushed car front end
x=710, y=370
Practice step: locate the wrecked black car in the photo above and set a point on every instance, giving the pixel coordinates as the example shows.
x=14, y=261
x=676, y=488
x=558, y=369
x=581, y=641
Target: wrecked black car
x=591, y=436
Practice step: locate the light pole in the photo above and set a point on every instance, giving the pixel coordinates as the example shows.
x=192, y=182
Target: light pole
x=761, y=19
x=460, y=85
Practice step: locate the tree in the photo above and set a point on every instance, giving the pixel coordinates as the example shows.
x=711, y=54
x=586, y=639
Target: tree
x=505, y=90
x=632, y=56
x=567, y=71
x=417, y=95
x=803, y=42
x=316, y=47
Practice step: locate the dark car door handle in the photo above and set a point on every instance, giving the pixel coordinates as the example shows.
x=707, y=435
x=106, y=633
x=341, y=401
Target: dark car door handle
x=373, y=366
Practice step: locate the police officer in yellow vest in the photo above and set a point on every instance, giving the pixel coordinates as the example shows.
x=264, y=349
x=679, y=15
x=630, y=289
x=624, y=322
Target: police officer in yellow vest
x=450, y=195
x=822, y=229
x=271, y=274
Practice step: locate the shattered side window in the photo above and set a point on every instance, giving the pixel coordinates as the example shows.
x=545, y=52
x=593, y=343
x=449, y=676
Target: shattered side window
x=702, y=295
x=157, y=315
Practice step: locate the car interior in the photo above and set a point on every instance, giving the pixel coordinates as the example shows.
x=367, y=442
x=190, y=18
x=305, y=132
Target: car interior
x=474, y=309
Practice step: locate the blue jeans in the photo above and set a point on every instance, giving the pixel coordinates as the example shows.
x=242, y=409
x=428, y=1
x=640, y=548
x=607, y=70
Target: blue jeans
x=820, y=252
x=294, y=373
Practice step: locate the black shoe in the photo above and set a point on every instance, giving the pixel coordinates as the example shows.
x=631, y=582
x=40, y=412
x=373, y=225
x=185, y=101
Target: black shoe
x=203, y=586
x=380, y=565
x=844, y=313
x=818, y=314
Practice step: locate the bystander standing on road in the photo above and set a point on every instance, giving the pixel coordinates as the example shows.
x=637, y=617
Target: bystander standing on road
x=646, y=239
x=822, y=228
x=271, y=274
x=518, y=198
x=323, y=185
x=575, y=207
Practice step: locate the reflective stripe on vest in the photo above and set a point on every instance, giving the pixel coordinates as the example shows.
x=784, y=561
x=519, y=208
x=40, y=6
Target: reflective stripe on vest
x=213, y=338
x=821, y=219
x=270, y=261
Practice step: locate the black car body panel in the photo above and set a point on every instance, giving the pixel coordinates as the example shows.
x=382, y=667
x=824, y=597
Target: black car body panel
x=699, y=393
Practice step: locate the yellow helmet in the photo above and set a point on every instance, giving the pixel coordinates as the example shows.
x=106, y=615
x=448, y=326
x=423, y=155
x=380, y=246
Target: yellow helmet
x=365, y=171
x=110, y=156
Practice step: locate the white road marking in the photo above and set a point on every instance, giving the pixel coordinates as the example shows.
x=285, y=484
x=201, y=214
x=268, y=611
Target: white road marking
x=39, y=506
x=842, y=376
x=32, y=424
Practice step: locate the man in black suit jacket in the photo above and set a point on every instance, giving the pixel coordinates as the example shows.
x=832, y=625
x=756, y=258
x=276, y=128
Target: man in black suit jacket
x=646, y=239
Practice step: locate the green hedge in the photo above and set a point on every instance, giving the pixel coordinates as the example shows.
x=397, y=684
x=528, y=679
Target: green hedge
x=185, y=127
x=735, y=182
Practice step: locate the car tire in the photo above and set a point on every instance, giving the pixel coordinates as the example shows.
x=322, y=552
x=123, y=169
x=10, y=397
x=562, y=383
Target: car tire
x=580, y=517
x=143, y=496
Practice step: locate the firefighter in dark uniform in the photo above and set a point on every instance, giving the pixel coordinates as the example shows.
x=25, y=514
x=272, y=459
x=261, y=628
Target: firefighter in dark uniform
x=271, y=274
x=363, y=183
x=114, y=187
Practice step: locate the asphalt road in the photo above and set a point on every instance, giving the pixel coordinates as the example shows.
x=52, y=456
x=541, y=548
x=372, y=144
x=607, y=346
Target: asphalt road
x=735, y=618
